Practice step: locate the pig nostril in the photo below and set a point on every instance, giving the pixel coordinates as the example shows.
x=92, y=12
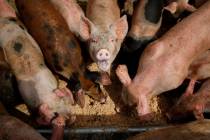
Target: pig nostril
x=100, y=54
x=107, y=54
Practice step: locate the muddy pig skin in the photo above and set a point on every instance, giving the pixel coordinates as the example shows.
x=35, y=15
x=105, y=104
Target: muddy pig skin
x=72, y=13
x=146, y=21
x=176, y=7
x=14, y=129
x=164, y=64
x=106, y=31
x=37, y=85
x=60, y=48
x=198, y=130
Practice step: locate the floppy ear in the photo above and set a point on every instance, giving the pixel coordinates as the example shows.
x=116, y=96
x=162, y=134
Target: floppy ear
x=120, y=27
x=85, y=28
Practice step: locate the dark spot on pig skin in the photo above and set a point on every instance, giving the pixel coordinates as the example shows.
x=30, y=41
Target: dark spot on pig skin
x=66, y=61
x=74, y=84
x=41, y=65
x=153, y=10
x=72, y=44
x=130, y=44
x=56, y=60
x=49, y=30
x=18, y=47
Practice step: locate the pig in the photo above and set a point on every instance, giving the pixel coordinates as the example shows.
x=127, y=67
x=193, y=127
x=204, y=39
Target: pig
x=189, y=102
x=72, y=13
x=176, y=7
x=37, y=85
x=164, y=64
x=198, y=130
x=146, y=21
x=14, y=129
x=58, y=44
x=106, y=31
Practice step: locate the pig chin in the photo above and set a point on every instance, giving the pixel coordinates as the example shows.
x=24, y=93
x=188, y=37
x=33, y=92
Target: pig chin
x=103, y=65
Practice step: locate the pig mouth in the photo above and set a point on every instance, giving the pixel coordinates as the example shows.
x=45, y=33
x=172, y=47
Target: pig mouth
x=103, y=65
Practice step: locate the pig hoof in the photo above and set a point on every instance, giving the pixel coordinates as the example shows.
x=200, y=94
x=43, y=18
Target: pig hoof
x=172, y=7
x=103, y=100
x=147, y=117
x=122, y=73
x=198, y=112
x=72, y=119
x=80, y=98
x=58, y=121
x=117, y=109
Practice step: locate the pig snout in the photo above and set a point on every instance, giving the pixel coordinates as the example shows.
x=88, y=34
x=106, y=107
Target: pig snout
x=103, y=54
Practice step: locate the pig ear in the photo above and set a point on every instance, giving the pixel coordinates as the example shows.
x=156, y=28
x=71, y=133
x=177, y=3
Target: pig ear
x=85, y=28
x=120, y=27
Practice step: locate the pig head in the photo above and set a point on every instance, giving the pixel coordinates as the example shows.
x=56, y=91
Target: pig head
x=106, y=31
x=146, y=21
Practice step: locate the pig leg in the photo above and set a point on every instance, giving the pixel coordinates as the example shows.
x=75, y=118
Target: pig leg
x=198, y=111
x=58, y=128
x=189, y=7
x=122, y=74
x=176, y=6
x=45, y=115
x=189, y=90
x=58, y=121
x=172, y=7
x=80, y=97
x=128, y=7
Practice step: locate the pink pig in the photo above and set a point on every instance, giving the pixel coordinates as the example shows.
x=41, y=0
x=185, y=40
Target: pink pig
x=106, y=31
x=165, y=63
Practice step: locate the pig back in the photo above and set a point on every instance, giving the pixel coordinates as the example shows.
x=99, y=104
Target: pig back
x=103, y=12
x=20, y=50
x=60, y=48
